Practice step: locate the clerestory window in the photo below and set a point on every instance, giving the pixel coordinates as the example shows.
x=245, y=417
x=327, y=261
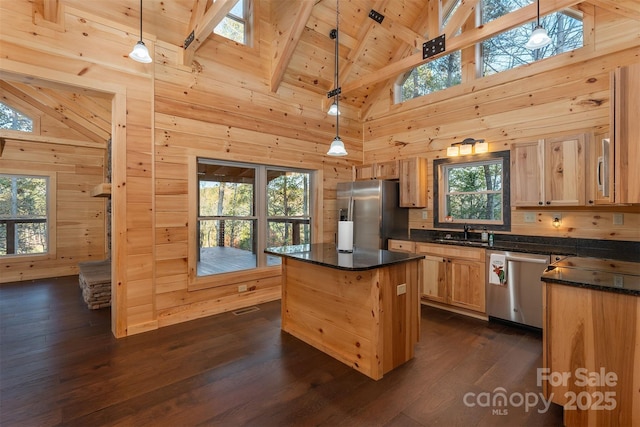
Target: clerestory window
x=12, y=119
x=235, y=26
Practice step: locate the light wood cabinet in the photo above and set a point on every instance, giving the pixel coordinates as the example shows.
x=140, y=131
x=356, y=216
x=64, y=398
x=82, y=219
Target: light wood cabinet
x=549, y=172
x=454, y=275
x=413, y=183
x=587, y=332
x=626, y=105
x=378, y=170
x=401, y=246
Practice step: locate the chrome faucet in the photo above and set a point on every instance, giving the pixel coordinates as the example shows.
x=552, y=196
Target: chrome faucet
x=466, y=231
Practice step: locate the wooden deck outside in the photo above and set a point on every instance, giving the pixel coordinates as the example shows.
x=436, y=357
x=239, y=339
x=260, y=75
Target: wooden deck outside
x=223, y=259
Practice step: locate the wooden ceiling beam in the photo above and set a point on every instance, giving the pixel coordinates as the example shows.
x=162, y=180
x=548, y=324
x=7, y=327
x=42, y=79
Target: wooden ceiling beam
x=203, y=27
x=628, y=8
x=287, y=42
x=48, y=13
x=466, y=39
x=8, y=136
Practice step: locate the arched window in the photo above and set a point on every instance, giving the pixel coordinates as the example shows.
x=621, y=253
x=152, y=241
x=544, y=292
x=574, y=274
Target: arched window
x=12, y=119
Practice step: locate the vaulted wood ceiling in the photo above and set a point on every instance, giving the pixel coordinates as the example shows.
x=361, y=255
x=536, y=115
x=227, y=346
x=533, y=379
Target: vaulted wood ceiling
x=371, y=55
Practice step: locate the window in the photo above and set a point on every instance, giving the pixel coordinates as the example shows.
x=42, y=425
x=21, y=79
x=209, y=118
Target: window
x=234, y=26
x=244, y=208
x=13, y=119
x=507, y=50
x=433, y=76
x=500, y=53
x=472, y=190
x=23, y=214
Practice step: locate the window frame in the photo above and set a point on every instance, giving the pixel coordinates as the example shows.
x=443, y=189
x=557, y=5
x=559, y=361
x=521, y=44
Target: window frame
x=246, y=20
x=439, y=201
x=51, y=216
x=262, y=268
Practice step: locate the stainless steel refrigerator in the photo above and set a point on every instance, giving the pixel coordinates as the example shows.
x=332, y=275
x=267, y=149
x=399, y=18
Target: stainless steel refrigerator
x=376, y=212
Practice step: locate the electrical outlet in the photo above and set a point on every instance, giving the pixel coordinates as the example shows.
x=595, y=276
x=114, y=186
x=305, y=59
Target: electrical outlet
x=401, y=289
x=529, y=217
x=242, y=288
x=618, y=219
x=618, y=281
x=425, y=215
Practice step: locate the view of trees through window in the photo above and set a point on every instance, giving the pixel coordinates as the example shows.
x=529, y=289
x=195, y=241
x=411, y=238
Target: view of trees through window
x=472, y=190
x=23, y=214
x=234, y=25
x=500, y=53
x=12, y=119
x=245, y=208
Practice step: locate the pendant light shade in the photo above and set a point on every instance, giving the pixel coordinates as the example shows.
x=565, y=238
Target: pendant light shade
x=140, y=52
x=337, y=146
x=333, y=109
x=539, y=37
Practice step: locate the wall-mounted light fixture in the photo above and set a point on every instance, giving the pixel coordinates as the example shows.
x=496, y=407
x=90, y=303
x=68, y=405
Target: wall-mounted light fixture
x=140, y=52
x=468, y=146
x=557, y=221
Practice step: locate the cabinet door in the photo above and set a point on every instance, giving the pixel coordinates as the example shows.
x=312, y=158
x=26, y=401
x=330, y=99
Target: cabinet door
x=364, y=172
x=387, y=170
x=527, y=162
x=434, y=280
x=467, y=283
x=627, y=134
x=564, y=170
x=413, y=183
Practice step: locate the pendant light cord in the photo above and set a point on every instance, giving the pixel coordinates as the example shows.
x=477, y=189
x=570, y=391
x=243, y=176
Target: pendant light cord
x=537, y=2
x=336, y=71
x=140, y=20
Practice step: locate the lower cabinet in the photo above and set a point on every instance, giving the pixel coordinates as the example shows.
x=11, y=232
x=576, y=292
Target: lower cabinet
x=454, y=275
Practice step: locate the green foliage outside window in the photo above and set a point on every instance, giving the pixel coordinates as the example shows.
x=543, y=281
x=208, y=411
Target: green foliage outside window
x=23, y=215
x=12, y=119
x=234, y=25
x=474, y=191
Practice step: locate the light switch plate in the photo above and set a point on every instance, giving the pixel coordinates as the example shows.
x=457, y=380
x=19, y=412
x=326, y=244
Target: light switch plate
x=618, y=281
x=425, y=215
x=529, y=217
x=401, y=289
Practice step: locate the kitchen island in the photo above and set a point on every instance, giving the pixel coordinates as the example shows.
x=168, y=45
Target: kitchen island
x=592, y=341
x=362, y=308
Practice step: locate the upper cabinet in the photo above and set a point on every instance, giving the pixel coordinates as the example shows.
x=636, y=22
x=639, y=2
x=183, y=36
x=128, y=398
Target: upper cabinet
x=549, y=172
x=379, y=170
x=413, y=183
x=626, y=124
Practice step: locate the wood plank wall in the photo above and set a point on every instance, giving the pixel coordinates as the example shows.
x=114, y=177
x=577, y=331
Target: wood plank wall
x=165, y=114
x=79, y=218
x=562, y=95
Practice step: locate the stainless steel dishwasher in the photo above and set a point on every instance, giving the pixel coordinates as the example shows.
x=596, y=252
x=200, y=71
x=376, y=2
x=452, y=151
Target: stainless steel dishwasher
x=519, y=299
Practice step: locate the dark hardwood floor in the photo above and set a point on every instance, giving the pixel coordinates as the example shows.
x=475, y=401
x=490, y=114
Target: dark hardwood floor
x=60, y=365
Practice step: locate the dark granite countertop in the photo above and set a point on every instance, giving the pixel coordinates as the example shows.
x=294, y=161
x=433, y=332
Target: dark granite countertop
x=327, y=255
x=608, y=249
x=595, y=273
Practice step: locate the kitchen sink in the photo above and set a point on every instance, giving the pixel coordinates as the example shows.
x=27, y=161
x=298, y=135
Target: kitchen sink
x=462, y=242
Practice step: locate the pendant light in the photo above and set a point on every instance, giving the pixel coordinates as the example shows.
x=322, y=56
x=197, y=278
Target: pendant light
x=140, y=52
x=539, y=37
x=337, y=146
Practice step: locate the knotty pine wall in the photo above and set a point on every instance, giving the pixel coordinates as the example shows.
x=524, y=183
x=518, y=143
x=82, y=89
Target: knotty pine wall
x=77, y=218
x=561, y=95
x=164, y=115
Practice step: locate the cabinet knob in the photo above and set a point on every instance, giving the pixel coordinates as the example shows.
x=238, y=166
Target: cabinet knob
x=590, y=202
x=540, y=203
x=548, y=202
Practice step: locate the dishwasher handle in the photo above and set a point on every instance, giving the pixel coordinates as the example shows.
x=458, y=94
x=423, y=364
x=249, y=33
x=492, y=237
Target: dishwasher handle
x=531, y=260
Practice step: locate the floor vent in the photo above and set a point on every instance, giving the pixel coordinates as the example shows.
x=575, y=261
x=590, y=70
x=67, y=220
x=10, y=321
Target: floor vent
x=245, y=310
